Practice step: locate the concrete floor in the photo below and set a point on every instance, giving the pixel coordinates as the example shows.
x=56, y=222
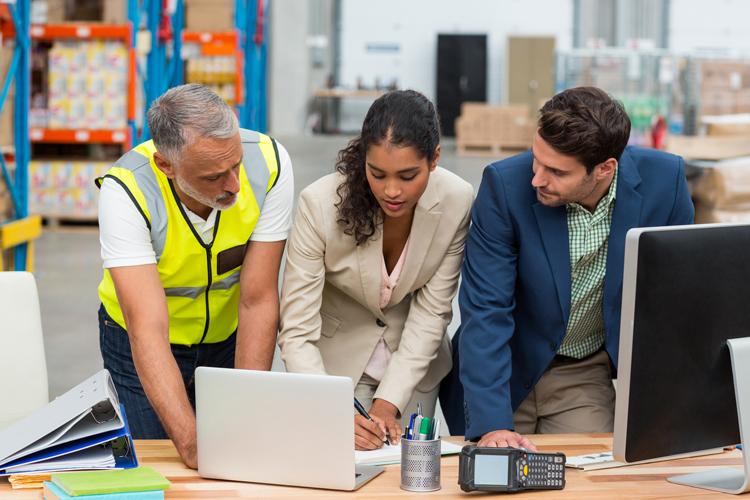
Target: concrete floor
x=68, y=266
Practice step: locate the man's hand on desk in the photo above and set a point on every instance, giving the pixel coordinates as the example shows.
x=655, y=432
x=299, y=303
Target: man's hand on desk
x=189, y=453
x=506, y=439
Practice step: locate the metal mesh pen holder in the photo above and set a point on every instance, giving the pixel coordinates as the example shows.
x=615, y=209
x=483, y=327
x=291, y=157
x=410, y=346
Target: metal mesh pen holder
x=420, y=465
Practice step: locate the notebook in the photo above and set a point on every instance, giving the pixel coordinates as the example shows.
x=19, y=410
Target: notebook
x=110, y=481
x=53, y=492
x=392, y=454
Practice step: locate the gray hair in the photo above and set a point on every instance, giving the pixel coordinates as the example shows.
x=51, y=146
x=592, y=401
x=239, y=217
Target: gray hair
x=183, y=113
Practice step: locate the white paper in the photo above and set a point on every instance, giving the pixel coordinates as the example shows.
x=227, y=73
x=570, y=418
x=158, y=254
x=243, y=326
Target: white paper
x=96, y=457
x=392, y=454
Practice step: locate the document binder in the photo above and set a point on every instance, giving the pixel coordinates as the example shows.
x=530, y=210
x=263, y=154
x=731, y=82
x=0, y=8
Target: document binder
x=72, y=432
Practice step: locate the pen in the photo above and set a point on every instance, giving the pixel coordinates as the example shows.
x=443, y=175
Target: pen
x=417, y=427
x=361, y=410
x=410, y=430
x=424, y=429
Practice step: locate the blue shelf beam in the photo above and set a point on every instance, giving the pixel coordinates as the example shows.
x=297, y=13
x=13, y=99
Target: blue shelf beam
x=19, y=73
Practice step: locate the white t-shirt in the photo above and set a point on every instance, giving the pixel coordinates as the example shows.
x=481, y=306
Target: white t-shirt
x=126, y=240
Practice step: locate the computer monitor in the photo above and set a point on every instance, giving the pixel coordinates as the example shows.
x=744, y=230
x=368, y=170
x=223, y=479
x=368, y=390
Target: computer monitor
x=685, y=294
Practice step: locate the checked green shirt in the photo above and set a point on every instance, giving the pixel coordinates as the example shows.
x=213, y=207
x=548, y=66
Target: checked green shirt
x=589, y=237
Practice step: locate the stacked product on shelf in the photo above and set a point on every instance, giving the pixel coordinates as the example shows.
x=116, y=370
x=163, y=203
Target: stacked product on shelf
x=87, y=85
x=722, y=193
x=217, y=72
x=725, y=87
x=65, y=189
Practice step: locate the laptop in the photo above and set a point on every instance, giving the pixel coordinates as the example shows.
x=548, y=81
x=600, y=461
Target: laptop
x=280, y=428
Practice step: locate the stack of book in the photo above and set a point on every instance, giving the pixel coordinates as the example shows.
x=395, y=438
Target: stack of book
x=142, y=483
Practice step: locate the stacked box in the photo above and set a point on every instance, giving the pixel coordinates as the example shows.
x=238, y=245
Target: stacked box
x=722, y=194
x=484, y=126
x=65, y=189
x=218, y=72
x=209, y=15
x=725, y=87
x=87, y=85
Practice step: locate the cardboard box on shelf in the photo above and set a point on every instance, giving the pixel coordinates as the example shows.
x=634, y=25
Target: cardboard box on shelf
x=6, y=117
x=6, y=206
x=209, y=15
x=115, y=12
x=55, y=11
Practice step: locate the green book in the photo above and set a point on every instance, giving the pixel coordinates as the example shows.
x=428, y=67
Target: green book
x=110, y=481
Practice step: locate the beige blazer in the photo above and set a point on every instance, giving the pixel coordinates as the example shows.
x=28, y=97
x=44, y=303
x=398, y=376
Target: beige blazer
x=330, y=314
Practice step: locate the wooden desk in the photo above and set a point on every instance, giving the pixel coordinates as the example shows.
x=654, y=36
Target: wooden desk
x=634, y=482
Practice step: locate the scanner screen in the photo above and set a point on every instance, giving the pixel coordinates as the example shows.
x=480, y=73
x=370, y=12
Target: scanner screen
x=491, y=470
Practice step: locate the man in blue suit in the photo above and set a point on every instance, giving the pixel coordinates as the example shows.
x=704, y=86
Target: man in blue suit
x=542, y=276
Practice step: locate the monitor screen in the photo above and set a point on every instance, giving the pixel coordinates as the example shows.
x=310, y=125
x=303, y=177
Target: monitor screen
x=686, y=290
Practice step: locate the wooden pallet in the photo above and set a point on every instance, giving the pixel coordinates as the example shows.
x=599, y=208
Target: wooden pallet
x=54, y=221
x=488, y=150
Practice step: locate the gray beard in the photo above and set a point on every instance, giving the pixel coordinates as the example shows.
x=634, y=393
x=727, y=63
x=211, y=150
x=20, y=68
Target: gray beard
x=216, y=203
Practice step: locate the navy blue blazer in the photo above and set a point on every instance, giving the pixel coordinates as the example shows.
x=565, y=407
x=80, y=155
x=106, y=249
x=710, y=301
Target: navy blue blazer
x=515, y=290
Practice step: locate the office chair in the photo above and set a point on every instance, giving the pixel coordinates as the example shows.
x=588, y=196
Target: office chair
x=23, y=369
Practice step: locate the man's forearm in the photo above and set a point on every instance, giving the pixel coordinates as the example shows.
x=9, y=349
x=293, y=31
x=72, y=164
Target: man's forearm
x=162, y=382
x=256, y=334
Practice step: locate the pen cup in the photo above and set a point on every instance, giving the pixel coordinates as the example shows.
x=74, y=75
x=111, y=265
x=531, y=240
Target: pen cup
x=420, y=465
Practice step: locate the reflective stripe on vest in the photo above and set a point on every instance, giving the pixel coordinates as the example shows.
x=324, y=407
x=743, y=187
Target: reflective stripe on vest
x=189, y=268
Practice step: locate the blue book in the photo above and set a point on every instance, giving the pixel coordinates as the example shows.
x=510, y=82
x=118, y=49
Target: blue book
x=54, y=492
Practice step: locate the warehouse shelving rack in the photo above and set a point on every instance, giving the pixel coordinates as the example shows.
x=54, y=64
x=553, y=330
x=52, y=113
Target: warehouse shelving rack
x=18, y=233
x=165, y=67
x=251, y=20
x=87, y=31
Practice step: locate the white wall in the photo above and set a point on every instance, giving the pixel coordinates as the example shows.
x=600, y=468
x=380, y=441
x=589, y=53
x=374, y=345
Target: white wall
x=413, y=25
x=721, y=25
x=288, y=66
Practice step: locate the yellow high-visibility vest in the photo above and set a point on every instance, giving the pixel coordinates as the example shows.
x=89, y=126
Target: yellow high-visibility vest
x=201, y=281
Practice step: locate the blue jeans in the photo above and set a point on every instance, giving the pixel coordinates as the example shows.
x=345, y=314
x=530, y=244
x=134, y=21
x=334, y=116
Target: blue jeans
x=118, y=359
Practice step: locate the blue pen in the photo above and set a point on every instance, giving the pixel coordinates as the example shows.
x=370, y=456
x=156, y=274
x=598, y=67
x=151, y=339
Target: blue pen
x=410, y=430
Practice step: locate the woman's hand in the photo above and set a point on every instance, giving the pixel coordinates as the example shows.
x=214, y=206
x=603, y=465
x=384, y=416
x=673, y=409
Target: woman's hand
x=368, y=435
x=386, y=415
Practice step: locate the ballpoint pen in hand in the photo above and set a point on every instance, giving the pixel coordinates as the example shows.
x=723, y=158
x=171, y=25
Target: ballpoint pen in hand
x=361, y=410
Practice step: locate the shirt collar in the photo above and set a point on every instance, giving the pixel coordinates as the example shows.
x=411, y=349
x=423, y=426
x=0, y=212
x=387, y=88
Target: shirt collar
x=606, y=202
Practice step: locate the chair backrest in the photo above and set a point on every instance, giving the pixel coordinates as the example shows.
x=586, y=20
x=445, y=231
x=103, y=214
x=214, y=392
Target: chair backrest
x=23, y=369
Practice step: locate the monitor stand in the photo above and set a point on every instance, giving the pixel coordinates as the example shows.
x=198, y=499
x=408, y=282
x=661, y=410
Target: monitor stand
x=730, y=480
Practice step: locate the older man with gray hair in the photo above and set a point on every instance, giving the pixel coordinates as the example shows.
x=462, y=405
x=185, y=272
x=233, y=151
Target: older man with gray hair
x=192, y=227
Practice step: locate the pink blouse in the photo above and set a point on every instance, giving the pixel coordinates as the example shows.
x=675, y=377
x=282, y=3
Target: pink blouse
x=381, y=355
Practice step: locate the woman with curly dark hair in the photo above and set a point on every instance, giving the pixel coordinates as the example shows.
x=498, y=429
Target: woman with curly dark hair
x=373, y=263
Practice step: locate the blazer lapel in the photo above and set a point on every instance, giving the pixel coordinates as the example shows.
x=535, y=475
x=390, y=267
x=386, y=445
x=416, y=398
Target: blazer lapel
x=553, y=228
x=427, y=216
x=627, y=215
x=370, y=257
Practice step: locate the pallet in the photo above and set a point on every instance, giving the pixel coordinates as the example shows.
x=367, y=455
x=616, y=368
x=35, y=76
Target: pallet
x=490, y=150
x=54, y=221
